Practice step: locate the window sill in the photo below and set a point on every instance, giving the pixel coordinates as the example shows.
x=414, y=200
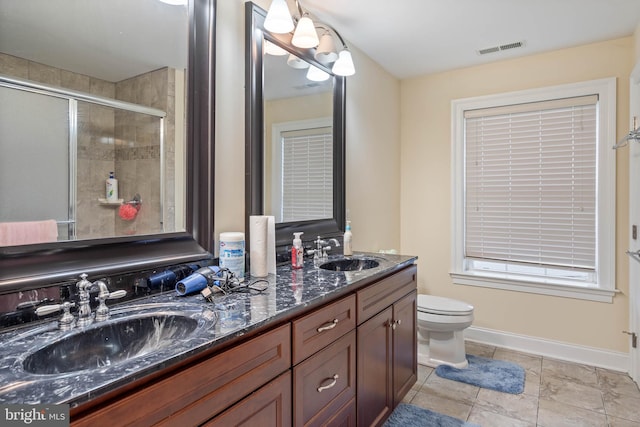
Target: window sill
x=510, y=284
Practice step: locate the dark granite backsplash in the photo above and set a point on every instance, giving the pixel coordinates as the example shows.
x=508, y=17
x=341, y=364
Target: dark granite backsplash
x=19, y=308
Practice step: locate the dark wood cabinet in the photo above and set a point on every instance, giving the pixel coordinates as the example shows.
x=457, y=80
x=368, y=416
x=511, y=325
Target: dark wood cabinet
x=346, y=363
x=375, y=369
x=325, y=383
x=269, y=406
x=405, y=341
x=197, y=393
x=387, y=346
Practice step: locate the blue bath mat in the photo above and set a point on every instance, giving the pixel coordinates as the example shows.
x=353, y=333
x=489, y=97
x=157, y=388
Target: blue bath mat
x=406, y=415
x=493, y=374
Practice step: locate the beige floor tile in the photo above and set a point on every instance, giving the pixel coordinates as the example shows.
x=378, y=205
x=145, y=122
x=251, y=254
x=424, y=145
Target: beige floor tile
x=410, y=395
x=622, y=406
x=557, y=414
x=571, y=393
x=617, y=382
x=450, y=389
x=478, y=349
x=527, y=361
x=442, y=405
x=619, y=422
x=576, y=372
x=423, y=373
x=531, y=383
x=523, y=407
x=491, y=419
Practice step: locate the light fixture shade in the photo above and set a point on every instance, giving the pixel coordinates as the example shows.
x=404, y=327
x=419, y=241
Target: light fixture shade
x=278, y=18
x=344, y=65
x=305, y=35
x=315, y=74
x=295, y=62
x=326, y=51
x=273, y=49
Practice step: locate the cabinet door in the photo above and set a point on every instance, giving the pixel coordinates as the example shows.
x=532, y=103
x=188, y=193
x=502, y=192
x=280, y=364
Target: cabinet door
x=405, y=354
x=325, y=382
x=374, y=369
x=269, y=406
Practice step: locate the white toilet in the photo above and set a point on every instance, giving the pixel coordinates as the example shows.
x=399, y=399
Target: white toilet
x=441, y=322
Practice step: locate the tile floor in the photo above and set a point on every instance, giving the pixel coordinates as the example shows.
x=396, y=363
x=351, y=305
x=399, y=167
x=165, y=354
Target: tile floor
x=556, y=393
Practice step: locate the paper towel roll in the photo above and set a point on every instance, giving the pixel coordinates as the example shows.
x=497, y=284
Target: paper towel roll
x=271, y=244
x=258, y=229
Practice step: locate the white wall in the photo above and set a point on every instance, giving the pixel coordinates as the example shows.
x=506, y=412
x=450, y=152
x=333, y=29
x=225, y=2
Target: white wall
x=426, y=196
x=372, y=139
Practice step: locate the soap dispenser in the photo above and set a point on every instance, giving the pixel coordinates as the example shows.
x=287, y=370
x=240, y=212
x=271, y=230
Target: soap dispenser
x=112, y=188
x=347, y=251
x=297, y=252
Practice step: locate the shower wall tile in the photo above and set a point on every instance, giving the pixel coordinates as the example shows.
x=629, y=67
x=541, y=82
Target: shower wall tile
x=44, y=74
x=14, y=66
x=75, y=81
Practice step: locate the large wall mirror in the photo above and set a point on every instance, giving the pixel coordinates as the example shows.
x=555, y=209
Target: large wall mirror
x=90, y=88
x=294, y=135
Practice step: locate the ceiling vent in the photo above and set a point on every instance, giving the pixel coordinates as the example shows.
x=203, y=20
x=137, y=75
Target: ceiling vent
x=502, y=47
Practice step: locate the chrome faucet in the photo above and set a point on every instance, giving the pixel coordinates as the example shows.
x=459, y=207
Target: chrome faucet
x=85, y=317
x=320, y=252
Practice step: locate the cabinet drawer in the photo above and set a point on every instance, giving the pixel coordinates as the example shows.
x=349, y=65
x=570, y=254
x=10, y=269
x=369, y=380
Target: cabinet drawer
x=315, y=331
x=375, y=298
x=325, y=383
x=269, y=406
x=199, y=392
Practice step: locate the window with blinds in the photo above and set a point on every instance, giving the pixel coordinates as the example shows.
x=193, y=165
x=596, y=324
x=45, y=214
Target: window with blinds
x=307, y=174
x=533, y=190
x=530, y=188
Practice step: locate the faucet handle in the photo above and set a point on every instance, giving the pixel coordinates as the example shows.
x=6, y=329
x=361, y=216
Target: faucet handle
x=102, y=312
x=66, y=321
x=117, y=294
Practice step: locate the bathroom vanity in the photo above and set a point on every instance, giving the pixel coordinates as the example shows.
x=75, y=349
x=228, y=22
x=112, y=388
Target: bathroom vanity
x=315, y=347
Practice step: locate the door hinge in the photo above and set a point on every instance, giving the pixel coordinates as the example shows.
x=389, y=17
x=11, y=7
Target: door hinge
x=634, y=338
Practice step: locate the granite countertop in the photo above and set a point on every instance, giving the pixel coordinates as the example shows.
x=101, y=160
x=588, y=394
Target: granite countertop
x=228, y=317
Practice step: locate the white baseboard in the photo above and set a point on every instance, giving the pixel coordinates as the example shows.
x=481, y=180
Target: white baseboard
x=555, y=349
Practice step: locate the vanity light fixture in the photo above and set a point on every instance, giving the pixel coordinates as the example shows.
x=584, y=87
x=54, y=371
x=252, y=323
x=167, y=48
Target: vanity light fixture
x=273, y=49
x=278, y=18
x=296, y=62
x=306, y=36
x=344, y=65
x=315, y=74
x=326, y=51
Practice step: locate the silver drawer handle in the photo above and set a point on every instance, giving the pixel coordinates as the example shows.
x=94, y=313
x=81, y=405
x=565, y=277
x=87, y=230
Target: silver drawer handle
x=328, y=326
x=331, y=384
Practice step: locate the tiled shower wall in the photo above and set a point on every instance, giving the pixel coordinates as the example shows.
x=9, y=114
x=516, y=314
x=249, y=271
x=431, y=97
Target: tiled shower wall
x=109, y=141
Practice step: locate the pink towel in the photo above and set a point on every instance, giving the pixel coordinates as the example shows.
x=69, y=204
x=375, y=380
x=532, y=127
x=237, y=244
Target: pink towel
x=28, y=232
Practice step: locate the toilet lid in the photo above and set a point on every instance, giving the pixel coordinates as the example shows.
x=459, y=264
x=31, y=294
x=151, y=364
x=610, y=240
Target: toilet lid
x=442, y=305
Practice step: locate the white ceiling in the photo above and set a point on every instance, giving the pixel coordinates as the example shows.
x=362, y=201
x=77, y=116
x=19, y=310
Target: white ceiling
x=108, y=39
x=123, y=38
x=414, y=37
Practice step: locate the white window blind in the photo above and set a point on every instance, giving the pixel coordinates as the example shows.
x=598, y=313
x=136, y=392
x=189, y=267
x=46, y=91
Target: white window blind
x=530, y=185
x=307, y=174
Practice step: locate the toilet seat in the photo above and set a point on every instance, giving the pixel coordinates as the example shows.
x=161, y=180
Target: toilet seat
x=443, y=306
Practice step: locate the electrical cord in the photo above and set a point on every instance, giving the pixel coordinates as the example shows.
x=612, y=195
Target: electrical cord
x=226, y=282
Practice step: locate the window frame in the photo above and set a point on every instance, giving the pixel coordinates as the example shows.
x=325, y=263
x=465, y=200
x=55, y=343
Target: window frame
x=605, y=288
x=277, y=129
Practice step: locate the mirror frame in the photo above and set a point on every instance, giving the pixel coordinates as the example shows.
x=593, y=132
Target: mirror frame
x=33, y=266
x=254, y=133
